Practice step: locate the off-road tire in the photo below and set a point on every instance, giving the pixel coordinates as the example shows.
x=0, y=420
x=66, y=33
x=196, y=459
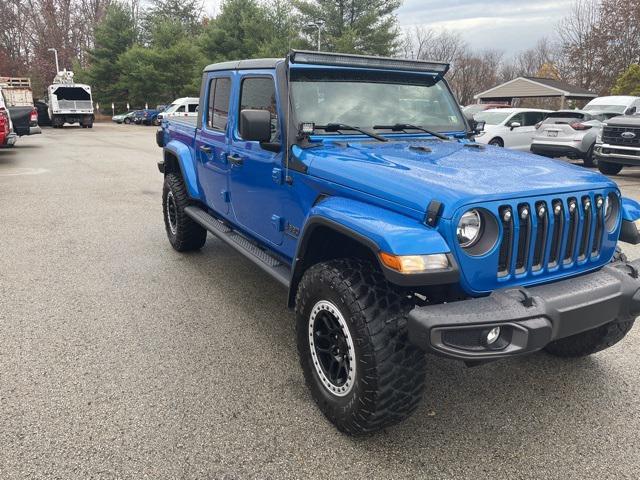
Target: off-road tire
x=609, y=168
x=591, y=341
x=497, y=142
x=389, y=371
x=186, y=235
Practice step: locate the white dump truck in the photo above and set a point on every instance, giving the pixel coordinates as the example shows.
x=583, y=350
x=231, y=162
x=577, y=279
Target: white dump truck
x=70, y=102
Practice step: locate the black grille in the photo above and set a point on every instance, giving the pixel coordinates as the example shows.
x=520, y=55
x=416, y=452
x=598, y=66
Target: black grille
x=621, y=136
x=544, y=234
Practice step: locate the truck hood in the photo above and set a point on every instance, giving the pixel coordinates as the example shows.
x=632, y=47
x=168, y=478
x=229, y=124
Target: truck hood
x=624, y=121
x=411, y=173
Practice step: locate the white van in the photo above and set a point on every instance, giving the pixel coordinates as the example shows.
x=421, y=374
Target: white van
x=181, y=107
x=622, y=104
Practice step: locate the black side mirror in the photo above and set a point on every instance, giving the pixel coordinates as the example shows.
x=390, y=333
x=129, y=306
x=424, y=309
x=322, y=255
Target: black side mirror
x=476, y=126
x=255, y=125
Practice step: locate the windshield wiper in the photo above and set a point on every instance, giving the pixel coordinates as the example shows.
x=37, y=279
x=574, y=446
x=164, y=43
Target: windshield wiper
x=336, y=127
x=407, y=126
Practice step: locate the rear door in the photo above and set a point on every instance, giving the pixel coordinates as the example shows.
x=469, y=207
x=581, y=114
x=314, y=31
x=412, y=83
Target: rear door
x=257, y=193
x=212, y=144
x=528, y=129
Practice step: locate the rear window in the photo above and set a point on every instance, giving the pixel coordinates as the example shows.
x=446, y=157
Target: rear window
x=566, y=117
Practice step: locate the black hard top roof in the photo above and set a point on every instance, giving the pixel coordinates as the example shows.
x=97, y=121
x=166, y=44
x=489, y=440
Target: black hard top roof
x=255, y=63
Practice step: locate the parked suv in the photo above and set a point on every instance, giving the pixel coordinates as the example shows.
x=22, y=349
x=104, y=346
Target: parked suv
x=509, y=127
x=570, y=133
x=619, y=144
x=352, y=181
x=621, y=104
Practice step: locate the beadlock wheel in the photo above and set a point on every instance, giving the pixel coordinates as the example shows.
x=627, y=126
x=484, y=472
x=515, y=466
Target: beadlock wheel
x=332, y=348
x=172, y=213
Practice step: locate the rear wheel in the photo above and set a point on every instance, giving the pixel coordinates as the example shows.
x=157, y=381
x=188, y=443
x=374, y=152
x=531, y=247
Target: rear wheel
x=184, y=234
x=609, y=168
x=353, y=346
x=497, y=142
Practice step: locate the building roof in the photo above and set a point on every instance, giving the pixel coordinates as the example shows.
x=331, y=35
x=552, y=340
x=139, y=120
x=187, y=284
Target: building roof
x=534, y=87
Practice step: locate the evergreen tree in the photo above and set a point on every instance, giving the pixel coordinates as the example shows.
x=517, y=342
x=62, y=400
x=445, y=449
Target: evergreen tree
x=238, y=32
x=353, y=26
x=113, y=36
x=629, y=82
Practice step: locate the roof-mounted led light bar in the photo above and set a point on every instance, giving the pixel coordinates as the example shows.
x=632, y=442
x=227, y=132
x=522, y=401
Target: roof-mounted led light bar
x=363, y=61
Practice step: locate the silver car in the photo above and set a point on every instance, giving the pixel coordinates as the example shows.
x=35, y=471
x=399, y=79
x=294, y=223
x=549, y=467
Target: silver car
x=569, y=133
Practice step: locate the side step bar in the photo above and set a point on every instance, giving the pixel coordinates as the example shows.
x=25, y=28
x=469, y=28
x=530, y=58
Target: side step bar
x=268, y=263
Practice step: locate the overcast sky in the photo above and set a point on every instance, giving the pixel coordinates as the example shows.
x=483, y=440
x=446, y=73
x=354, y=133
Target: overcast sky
x=507, y=25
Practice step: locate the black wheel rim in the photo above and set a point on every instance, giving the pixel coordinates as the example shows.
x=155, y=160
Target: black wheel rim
x=332, y=348
x=172, y=213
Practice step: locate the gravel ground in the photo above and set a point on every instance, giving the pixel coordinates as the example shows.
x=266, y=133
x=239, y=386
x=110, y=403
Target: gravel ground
x=120, y=358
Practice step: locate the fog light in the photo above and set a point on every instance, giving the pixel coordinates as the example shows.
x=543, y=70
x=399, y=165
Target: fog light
x=493, y=335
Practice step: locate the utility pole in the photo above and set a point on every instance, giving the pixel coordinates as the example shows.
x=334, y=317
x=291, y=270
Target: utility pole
x=55, y=52
x=319, y=25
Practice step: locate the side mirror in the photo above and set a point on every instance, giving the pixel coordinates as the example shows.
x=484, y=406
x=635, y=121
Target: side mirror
x=514, y=125
x=255, y=125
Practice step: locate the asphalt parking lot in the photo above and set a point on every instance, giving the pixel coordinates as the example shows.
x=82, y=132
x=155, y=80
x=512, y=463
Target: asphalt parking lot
x=120, y=358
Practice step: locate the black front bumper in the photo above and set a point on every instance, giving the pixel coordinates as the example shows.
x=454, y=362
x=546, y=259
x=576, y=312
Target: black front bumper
x=529, y=318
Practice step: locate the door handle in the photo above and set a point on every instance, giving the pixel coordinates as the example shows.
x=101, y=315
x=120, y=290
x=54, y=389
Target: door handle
x=235, y=159
x=205, y=149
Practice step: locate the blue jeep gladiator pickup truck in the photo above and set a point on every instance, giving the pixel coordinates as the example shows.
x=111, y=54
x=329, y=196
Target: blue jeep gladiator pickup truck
x=354, y=182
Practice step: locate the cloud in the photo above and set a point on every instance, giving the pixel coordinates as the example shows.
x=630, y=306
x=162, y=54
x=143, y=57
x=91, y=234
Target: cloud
x=507, y=25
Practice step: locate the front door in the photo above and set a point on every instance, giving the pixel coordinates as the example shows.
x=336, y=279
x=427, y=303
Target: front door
x=212, y=145
x=255, y=177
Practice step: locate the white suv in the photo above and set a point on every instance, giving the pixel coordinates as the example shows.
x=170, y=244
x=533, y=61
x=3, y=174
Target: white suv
x=509, y=127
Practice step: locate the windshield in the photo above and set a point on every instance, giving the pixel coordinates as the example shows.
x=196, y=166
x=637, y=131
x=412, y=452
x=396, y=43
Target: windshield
x=365, y=99
x=171, y=108
x=608, y=108
x=492, y=118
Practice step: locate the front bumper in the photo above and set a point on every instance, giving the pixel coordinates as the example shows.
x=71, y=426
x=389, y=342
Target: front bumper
x=617, y=154
x=529, y=318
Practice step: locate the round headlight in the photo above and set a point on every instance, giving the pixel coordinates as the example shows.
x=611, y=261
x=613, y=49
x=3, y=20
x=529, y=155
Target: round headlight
x=469, y=228
x=611, y=210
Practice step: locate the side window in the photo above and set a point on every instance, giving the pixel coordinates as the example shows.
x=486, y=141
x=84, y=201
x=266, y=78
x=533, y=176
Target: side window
x=259, y=93
x=193, y=107
x=516, y=119
x=219, y=103
x=532, y=118
x=180, y=109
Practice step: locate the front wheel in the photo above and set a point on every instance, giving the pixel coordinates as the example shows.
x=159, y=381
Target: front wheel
x=609, y=168
x=496, y=142
x=127, y=121
x=353, y=346
x=184, y=234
